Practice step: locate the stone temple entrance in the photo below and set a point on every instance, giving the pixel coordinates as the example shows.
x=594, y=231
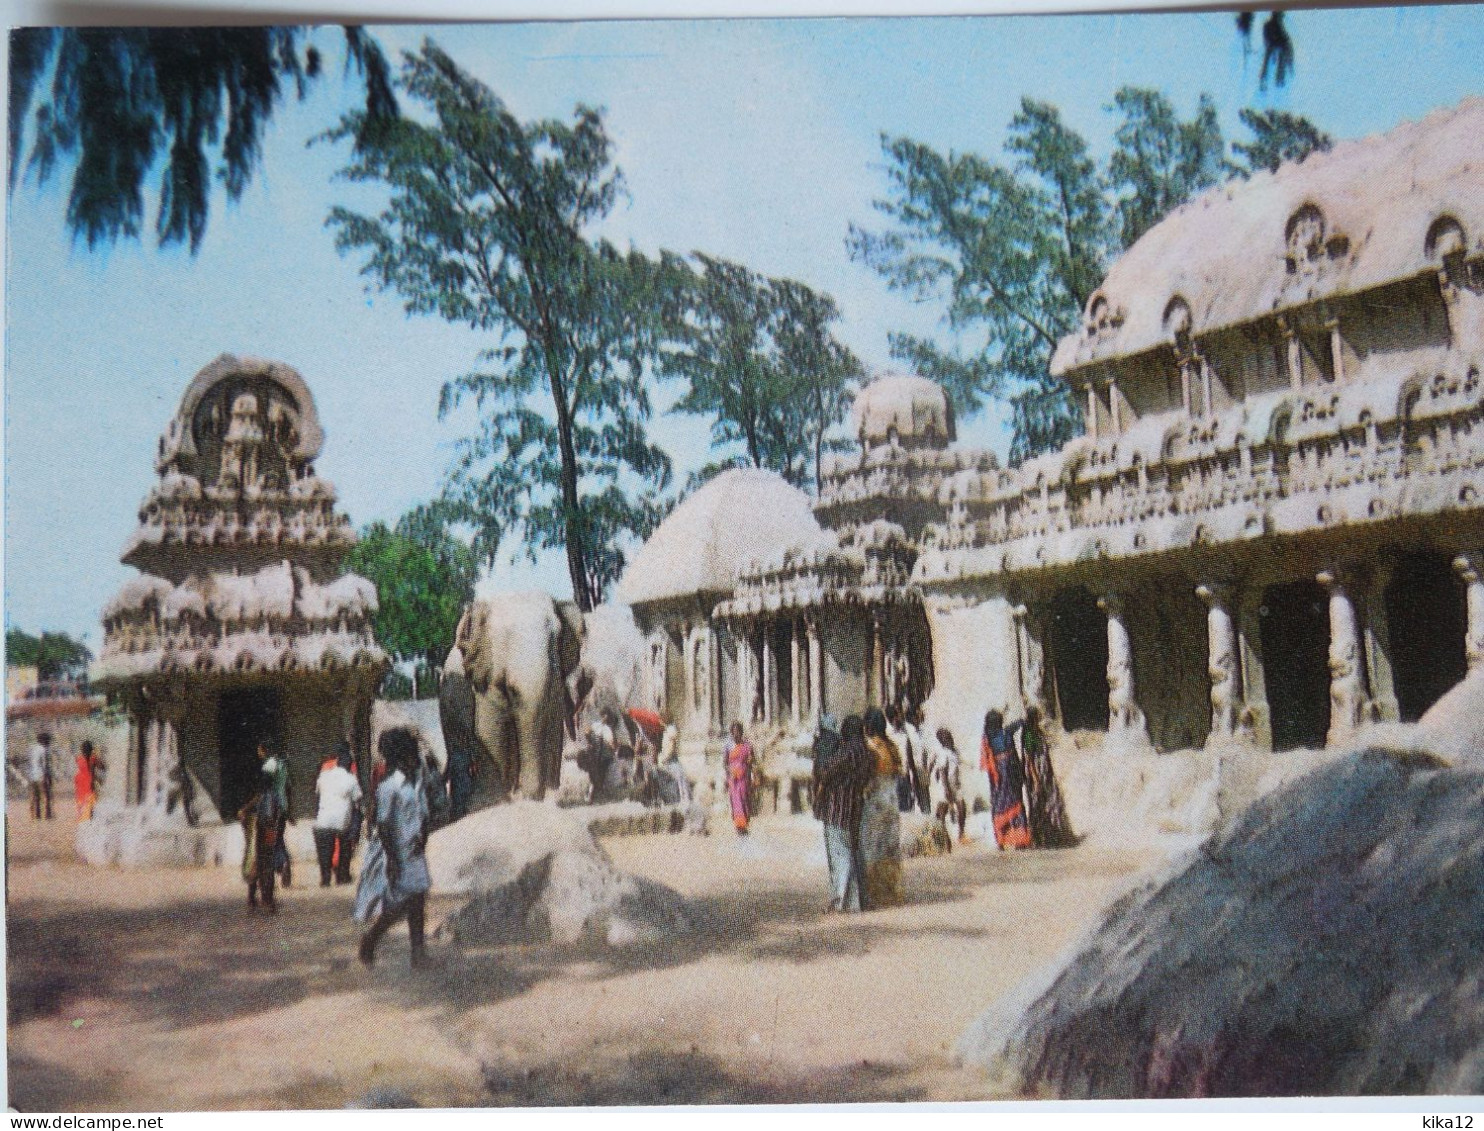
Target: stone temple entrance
x=1078, y=635
x=1426, y=617
x=1295, y=650
x=245, y=718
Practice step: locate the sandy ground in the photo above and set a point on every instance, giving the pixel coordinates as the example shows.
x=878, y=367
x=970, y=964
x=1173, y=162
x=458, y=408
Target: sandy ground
x=156, y=990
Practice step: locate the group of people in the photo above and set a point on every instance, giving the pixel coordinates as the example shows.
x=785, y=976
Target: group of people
x=40, y=775
x=1025, y=802
x=400, y=812
x=625, y=761
x=876, y=767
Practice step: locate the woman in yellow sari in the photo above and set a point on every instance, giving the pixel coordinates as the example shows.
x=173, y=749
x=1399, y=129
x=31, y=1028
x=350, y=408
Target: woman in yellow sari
x=881, y=819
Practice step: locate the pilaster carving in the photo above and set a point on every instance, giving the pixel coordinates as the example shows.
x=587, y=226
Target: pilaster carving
x=1470, y=569
x=1126, y=724
x=1222, y=665
x=1347, y=693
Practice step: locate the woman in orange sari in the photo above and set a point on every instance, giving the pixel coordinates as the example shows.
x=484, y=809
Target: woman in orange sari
x=739, y=778
x=998, y=758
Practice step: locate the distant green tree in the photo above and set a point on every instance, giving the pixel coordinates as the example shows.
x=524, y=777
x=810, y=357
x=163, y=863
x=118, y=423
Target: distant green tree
x=1277, y=137
x=759, y=357
x=1159, y=162
x=488, y=224
x=424, y=578
x=124, y=99
x=55, y=655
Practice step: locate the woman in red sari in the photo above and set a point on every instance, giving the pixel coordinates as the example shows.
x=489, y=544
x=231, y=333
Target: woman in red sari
x=85, y=784
x=739, y=778
x=998, y=758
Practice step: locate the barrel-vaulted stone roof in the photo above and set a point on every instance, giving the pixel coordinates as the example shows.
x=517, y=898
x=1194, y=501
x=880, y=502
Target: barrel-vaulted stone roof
x=1368, y=212
x=740, y=516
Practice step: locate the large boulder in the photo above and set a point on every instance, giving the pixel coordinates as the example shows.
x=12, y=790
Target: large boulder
x=535, y=874
x=1327, y=943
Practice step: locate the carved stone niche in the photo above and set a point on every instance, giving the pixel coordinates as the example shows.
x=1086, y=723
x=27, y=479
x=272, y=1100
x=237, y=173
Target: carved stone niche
x=1309, y=245
x=246, y=431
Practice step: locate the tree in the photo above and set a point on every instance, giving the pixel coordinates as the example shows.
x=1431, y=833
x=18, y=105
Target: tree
x=54, y=655
x=1277, y=136
x=424, y=578
x=759, y=357
x=1015, y=250
x=487, y=225
x=122, y=99
x=1159, y=162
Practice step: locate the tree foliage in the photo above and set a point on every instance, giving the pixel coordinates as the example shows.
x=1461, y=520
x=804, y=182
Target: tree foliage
x=487, y=225
x=423, y=576
x=1015, y=248
x=54, y=655
x=1159, y=162
x=126, y=102
x=758, y=355
x=1277, y=137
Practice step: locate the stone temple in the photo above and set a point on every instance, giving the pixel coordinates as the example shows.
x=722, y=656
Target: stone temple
x=241, y=625
x=1270, y=534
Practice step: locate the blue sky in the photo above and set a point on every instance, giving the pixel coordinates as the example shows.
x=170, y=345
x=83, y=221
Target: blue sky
x=751, y=140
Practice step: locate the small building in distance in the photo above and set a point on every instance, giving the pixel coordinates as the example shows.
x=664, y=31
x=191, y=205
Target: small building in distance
x=241, y=626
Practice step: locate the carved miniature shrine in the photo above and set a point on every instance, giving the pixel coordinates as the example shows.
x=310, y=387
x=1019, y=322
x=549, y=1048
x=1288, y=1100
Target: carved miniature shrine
x=241, y=627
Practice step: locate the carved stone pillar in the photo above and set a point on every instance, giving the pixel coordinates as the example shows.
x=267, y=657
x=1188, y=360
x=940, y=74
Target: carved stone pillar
x=1031, y=656
x=717, y=706
x=746, y=680
x=1336, y=349
x=150, y=778
x=1295, y=354
x=1092, y=411
x=877, y=696
x=796, y=675
x=1126, y=724
x=1254, y=721
x=1221, y=661
x=816, y=670
x=1346, y=670
x=770, y=678
x=688, y=664
x=1470, y=568
x=1377, y=636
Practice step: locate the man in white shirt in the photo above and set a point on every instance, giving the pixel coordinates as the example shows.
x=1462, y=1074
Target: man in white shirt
x=39, y=775
x=402, y=822
x=338, y=793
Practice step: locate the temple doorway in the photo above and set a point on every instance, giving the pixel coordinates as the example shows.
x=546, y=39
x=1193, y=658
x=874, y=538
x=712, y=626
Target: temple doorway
x=1294, y=631
x=1077, y=632
x=780, y=639
x=1426, y=619
x=245, y=717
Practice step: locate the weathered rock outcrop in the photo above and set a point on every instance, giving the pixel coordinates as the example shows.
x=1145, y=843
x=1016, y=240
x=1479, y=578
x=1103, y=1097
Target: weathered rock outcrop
x=535, y=874
x=1325, y=943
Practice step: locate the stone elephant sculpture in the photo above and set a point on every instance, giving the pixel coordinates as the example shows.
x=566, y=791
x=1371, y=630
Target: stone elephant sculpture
x=508, y=696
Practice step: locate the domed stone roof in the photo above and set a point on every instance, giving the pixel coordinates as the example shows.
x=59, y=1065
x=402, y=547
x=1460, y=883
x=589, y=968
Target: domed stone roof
x=912, y=409
x=741, y=515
